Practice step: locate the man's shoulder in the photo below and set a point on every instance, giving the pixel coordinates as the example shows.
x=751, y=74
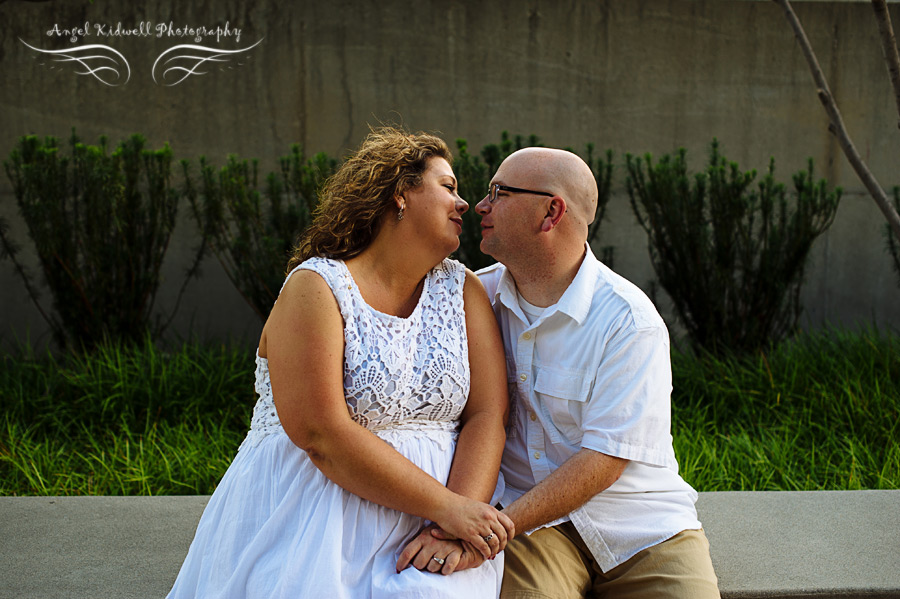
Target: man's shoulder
x=616, y=299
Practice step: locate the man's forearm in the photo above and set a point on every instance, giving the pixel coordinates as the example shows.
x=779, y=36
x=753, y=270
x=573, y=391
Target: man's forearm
x=567, y=488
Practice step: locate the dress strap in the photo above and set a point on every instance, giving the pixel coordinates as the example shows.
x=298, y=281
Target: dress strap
x=327, y=268
x=453, y=272
x=337, y=277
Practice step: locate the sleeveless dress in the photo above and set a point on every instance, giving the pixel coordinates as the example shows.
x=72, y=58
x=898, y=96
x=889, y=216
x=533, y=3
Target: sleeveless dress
x=277, y=527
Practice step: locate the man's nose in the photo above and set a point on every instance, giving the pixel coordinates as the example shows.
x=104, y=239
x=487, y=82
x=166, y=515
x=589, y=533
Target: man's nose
x=483, y=207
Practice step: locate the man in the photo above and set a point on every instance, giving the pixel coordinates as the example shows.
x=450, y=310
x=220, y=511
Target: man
x=591, y=479
x=589, y=462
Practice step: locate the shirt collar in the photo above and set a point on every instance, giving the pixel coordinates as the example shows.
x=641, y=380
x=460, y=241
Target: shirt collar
x=507, y=294
x=575, y=301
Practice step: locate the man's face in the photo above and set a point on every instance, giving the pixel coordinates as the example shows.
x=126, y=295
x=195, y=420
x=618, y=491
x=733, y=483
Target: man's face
x=509, y=223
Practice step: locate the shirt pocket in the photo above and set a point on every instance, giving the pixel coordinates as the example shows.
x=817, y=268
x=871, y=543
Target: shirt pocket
x=562, y=394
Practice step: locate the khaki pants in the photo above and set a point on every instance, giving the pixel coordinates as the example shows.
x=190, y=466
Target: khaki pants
x=555, y=563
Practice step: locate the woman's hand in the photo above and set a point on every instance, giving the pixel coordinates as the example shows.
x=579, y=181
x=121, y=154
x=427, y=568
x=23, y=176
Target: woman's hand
x=425, y=552
x=431, y=554
x=482, y=526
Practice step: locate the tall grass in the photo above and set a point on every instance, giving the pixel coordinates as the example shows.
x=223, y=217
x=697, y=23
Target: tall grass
x=122, y=421
x=820, y=412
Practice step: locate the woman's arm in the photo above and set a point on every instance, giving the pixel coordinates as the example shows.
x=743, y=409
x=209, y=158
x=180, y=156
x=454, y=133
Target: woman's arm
x=304, y=343
x=482, y=437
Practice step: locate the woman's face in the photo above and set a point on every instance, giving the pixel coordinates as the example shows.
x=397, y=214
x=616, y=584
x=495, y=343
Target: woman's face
x=434, y=209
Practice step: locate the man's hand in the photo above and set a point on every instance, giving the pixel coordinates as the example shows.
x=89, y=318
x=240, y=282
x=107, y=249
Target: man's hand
x=467, y=520
x=422, y=551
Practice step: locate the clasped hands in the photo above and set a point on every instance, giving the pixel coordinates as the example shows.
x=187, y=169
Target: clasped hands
x=436, y=549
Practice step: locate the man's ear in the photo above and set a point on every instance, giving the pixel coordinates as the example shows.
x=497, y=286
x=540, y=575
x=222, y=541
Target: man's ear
x=556, y=208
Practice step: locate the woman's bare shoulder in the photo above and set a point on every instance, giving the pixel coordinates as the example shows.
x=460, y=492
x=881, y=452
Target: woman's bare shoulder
x=473, y=289
x=305, y=306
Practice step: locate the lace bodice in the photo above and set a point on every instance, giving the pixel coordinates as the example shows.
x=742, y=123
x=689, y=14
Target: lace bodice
x=399, y=373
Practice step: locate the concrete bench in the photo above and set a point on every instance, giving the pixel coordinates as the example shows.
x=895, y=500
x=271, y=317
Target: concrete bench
x=774, y=545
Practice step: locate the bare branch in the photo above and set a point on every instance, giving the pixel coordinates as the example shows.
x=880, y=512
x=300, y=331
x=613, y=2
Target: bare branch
x=889, y=47
x=8, y=248
x=837, y=122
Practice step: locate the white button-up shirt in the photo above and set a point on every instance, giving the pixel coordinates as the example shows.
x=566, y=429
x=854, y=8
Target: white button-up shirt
x=593, y=371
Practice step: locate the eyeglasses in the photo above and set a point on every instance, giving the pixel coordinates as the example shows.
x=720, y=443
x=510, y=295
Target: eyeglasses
x=496, y=187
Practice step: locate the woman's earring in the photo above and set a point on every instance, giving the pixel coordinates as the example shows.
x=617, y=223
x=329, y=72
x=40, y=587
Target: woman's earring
x=400, y=213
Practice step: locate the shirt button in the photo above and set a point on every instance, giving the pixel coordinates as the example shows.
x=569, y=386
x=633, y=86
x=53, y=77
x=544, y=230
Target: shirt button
x=526, y=336
x=537, y=455
x=533, y=416
x=523, y=377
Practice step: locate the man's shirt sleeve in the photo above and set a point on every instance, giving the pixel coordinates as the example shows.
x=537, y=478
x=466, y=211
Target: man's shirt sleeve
x=628, y=411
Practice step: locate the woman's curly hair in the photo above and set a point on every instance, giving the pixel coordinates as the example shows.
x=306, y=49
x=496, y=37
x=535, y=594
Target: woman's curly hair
x=389, y=162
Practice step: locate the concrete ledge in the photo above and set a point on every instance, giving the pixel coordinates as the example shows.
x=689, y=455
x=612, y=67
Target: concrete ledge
x=94, y=547
x=764, y=545
x=804, y=544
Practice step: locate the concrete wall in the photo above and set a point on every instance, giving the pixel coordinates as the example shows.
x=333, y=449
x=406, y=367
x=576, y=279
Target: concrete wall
x=637, y=76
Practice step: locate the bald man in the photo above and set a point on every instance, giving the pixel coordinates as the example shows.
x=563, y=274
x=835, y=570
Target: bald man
x=591, y=479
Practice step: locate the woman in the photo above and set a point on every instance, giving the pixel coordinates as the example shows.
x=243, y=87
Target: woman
x=380, y=357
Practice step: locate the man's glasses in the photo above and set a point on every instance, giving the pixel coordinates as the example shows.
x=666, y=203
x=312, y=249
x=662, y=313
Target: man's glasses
x=496, y=187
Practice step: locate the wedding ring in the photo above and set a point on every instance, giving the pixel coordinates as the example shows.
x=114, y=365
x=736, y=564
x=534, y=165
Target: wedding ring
x=488, y=538
x=439, y=560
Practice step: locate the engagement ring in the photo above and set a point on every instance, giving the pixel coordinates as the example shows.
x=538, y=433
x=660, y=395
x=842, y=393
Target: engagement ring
x=439, y=560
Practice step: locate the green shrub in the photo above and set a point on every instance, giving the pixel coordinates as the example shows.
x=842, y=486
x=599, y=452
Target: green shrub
x=730, y=257
x=101, y=225
x=251, y=231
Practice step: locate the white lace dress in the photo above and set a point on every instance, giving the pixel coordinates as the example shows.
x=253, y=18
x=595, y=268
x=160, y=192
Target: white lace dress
x=277, y=527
